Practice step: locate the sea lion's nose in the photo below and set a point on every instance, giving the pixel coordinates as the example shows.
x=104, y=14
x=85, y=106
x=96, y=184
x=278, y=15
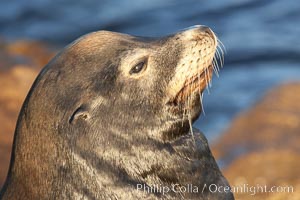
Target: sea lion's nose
x=194, y=31
x=205, y=29
x=199, y=28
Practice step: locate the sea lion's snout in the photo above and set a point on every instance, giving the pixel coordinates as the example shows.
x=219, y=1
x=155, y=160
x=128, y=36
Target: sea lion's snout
x=194, y=69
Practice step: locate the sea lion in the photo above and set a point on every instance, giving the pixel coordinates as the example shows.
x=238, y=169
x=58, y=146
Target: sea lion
x=110, y=118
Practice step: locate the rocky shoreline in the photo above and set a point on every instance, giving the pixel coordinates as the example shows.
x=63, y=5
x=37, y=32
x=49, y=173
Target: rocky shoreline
x=261, y=147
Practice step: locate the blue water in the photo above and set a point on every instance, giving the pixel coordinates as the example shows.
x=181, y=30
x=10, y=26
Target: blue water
x=261, y=38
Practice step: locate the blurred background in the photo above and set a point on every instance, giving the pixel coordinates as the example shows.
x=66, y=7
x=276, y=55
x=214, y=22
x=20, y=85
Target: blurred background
x=252, y=116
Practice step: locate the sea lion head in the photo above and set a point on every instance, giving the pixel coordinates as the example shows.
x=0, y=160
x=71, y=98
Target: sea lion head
x=148, y=85
x=111, y=111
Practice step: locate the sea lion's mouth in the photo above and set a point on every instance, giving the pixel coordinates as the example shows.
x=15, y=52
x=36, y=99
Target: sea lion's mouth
x=195, y=83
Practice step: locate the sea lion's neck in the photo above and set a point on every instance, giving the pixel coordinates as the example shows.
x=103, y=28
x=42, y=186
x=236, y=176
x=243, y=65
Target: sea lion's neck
x=106, y=174
x=34, y=161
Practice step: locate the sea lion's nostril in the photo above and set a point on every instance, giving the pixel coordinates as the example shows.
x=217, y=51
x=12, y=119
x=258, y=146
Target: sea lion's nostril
x=205, y=29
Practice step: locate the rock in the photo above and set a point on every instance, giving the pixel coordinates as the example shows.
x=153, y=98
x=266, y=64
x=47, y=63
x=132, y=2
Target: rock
x=262, y=145
x=268, y=168
x=273, y=123
x=36, y=53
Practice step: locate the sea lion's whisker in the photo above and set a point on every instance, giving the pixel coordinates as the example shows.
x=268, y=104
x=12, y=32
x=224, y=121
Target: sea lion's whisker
x=189, y=113
x=199, y=80
x=200, y=95
x=191, y=127
x=219, y=62
x=202, y=107
x=216, y=62
x=214, y=65
x=209, y=80
x=222, y=45
x=222, y=53
x=206, y=81
x=222, y=57
x=217, y=57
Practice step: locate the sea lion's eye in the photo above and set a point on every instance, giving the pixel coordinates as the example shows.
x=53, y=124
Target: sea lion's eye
x=137, y=68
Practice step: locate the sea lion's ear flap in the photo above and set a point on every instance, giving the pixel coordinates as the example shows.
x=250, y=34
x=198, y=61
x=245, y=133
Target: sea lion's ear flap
x=81, y=113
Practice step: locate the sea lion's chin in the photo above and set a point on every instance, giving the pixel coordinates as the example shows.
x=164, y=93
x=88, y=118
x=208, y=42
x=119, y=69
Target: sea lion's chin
x=187, y=139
